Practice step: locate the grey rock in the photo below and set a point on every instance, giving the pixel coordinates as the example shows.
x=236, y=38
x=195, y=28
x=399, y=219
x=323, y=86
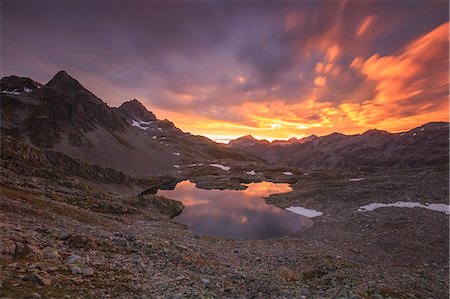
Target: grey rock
x=88, y=271
x=52, y=253
x=73, y=259
x=75, y=270
x=205, y=281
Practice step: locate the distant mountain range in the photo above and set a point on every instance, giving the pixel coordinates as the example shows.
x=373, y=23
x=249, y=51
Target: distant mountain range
x=65, y=117
x=427, y=145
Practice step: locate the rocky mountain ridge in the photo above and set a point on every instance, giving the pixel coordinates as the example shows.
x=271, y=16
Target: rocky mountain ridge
x=426, y=145
x=64, y=116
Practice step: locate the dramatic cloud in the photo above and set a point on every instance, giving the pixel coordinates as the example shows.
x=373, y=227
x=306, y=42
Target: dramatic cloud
x=411, y=85
x=225, y=69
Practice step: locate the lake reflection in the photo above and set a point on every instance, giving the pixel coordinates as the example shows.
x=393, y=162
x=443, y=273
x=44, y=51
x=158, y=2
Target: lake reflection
x=236, y=213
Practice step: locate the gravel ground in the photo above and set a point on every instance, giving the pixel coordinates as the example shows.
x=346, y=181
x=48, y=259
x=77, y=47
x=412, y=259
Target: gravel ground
x=69, y=240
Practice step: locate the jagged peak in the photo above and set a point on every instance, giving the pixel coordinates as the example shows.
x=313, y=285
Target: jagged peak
x=18, y=84
x=136, y=110
x=133, y=103
x=65, y=83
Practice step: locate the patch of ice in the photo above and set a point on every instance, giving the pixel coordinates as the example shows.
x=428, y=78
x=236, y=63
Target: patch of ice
x=176, y=166
x=143, y=125
x=26, y=89
x=356, y=180
x=287, y=173
x=405, y=204
x=226, y=168
x=16, y=93
x=176, y=154
x=310, y=213
x=251, y=172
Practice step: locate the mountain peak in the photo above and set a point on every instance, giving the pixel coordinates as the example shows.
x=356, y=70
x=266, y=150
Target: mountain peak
x=247, y=139
x=374, y=132
x=135, y=110
x=18, y=84
x=62, y=81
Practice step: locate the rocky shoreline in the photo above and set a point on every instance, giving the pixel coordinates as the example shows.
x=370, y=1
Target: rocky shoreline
x=69, y=240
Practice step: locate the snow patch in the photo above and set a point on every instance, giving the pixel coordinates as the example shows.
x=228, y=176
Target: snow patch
x=16, y=93
x=287, y=173
x=26, y=89
x=251, y=172
x=226, y=168
x=196, y=164
x=154, y=137
x=405, y=204
x=176, y=154
x=310, y=213
x=356, y=180
x=143, y=125
x=176, y=166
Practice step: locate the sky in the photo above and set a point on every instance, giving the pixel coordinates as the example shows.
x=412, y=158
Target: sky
x=224, y=69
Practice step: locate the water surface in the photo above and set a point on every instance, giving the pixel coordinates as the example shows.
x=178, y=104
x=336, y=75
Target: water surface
x=236, y=213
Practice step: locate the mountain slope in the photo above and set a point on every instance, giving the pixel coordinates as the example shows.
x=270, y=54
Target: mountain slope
x=423, y=146
x=64, y=116
x=16, y=85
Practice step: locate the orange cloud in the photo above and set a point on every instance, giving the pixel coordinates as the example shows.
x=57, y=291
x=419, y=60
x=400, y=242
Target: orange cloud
x=397, y=92
x=332, y=53
x=413, y=83
x=365, y=24
x=241, y=79
x=320, y=81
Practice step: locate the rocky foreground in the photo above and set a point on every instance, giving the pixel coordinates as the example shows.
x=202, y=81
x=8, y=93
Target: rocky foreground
x=63, y=235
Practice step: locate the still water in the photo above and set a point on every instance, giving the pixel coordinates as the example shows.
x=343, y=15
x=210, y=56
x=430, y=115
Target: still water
x=236, y=213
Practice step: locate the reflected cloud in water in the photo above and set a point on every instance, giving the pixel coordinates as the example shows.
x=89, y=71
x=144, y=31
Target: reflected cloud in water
x=236, y=213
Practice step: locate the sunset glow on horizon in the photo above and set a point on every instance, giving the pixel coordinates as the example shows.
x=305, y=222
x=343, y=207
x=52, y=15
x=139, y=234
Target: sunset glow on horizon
x=224, y=70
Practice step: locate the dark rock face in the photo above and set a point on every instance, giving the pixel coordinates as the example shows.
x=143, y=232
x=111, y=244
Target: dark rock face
x=64, y=116
x=65, y=83
x=27, y=159
x=423, y=146
x=166, y=206
x=63, y=107
x=135, y=110
x=18, y=84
